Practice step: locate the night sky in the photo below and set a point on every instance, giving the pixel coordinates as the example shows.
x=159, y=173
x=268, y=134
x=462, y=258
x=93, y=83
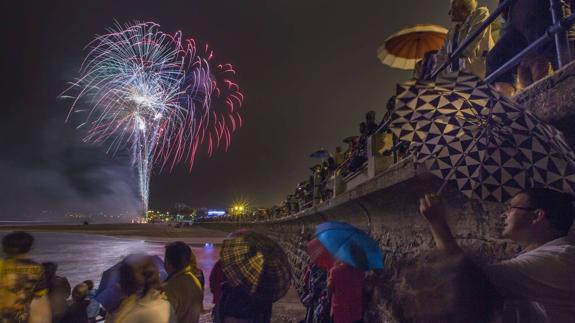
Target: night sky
x=308, y=69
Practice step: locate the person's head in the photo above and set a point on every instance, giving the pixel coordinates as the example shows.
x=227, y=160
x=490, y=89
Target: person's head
x=79, y=293
x=90, y=284
x=461, y=9
x=538, y=211
x=17, y=243
x=50, y=269
x=338, y=149
x=370, y=116
x=177, y=256
x=60, y=288
x=138, y=274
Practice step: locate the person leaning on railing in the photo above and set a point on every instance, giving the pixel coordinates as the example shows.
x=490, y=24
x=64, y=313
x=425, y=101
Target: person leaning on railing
x=467, y=18
x=524, y=22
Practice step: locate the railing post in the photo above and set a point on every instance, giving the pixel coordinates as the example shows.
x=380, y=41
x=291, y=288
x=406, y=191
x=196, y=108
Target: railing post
x=561, y=41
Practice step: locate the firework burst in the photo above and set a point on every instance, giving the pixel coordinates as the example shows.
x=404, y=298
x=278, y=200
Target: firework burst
x=156, y=96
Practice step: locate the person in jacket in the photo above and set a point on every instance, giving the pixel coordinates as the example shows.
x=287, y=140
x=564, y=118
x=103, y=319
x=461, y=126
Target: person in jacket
x=467, y=18
x=76, y=312
x=143, y=300
x=183, y=288
x=345, y=285
x=23, y=286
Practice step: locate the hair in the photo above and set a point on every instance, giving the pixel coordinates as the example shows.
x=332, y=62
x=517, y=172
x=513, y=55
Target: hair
x=558, y=206
x=17, y=243
x=60, y=285
x=50, y=269
x=90, y=284
x=80, y=292
x=178, y=254
x=469, y=5
x=138, y=274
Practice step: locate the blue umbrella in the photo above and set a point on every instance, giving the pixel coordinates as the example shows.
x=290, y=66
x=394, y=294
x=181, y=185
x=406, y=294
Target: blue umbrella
x=109, y=294
x=350, y=245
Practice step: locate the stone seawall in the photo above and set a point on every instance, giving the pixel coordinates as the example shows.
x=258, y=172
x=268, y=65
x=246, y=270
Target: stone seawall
x=387, y=207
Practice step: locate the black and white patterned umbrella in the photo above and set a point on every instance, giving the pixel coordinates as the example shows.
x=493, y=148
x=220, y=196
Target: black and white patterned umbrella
x=463, y=131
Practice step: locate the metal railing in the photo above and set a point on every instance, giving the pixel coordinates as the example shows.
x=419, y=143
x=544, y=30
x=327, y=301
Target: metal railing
x=557, y=32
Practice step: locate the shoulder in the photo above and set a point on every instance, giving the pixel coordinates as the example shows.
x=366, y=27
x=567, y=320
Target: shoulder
x=549, y=261
x=476, y=17
x=480, y=13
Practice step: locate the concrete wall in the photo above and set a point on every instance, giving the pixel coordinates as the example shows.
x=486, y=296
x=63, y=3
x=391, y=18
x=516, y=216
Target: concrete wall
x=387, y=207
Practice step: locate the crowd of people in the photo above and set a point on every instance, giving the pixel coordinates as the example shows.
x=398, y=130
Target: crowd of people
x=320, y=185
x=34, y=292
x=520, y=25
x=537, y=285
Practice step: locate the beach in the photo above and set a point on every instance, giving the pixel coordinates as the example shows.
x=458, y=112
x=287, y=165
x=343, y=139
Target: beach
x=288, y=309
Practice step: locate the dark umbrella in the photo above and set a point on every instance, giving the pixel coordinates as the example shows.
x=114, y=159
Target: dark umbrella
x=320, y=154
x=465, y=132
x=350, y=245
x=350, y=139
x=257, y=265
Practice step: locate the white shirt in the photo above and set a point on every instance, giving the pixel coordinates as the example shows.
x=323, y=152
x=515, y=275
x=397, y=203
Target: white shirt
x=539, y=285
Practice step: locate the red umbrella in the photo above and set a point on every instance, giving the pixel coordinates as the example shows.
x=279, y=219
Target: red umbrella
x=319, y=255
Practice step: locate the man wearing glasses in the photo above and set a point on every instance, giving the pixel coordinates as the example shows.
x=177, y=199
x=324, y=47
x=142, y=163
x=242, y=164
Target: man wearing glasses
x=539, y=283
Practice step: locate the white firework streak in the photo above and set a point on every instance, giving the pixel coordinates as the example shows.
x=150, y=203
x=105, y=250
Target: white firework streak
x=147, y=92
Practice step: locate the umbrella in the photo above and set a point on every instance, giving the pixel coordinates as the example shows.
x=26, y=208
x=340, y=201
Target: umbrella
x=350, y=245
x=404, y=48
x=108, y=293
x=320, y=154
x=463, y=131
x=350, y=139
x=319, y=255
x=256, y=264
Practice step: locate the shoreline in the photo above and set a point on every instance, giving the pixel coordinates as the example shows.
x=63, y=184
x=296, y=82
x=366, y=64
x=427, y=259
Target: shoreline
x=153, y=233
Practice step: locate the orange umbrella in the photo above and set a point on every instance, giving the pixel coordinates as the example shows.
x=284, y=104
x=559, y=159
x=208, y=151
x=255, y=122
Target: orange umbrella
x=403, y=49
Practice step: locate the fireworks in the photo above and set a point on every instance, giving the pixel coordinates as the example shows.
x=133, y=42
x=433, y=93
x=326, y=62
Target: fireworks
x=156, y=96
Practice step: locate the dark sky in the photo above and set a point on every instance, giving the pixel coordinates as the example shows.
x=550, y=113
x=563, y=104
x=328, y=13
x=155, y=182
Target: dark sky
x=308, y=69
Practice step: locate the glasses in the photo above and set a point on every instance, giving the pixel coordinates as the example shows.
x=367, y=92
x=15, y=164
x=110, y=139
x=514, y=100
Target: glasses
x=508, y=208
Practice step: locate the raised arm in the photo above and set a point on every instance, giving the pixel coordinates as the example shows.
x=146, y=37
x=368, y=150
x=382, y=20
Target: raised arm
x=433, y=210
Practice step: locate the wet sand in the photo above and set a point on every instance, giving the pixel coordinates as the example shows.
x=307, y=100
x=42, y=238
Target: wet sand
x=194, y=235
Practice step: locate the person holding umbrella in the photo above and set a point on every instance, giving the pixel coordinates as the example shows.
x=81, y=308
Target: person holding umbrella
x=142, y=299
x=345, y=286
x=539, y=284
x=355, y=252
x=257, y=273
x=467, y=18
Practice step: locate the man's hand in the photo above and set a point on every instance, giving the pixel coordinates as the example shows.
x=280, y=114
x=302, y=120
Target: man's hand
x=432, y=209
